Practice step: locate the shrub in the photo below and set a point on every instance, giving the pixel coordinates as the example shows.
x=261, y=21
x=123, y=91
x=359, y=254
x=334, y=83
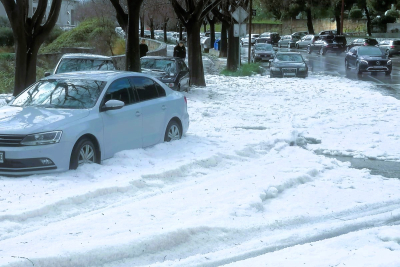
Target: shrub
x=54, y=34
x=6, y=36
x=355, y=14
x=245, y=70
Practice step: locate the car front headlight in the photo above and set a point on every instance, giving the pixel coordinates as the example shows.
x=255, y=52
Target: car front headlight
x=389, y=62
x=303, y=69
x=364, y=62
x=46, y=138
x=275, y=69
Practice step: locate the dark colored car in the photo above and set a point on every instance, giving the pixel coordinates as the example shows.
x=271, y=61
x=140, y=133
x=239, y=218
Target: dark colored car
x=368, y=59
x=361, y=42
x=328, y=43
x=288, y=64
x=328, y=32
x=288, y=41
x=269, y=37
x=262, y=52
x=170, y=70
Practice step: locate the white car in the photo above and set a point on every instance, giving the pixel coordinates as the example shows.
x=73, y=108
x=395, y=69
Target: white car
x=65, y=120
x=245, y=40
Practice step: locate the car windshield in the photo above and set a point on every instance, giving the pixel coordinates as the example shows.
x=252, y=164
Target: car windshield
x=289, y=57
x=369, y=51
x=158, y=64
x=81, y=64
x=61, y=93
x=264, y=47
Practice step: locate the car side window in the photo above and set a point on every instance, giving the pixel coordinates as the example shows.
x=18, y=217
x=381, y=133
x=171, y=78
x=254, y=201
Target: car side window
x=183, y=66
x=353, y=51
x=145, y=88
x=120, y=90
x=160, y=90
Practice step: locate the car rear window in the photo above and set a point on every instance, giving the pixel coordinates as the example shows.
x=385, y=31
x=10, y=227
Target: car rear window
x=396, y=42
x=340, y=39
x=83, y=64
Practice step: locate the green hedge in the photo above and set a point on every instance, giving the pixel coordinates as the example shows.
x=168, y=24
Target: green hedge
x=6, y=36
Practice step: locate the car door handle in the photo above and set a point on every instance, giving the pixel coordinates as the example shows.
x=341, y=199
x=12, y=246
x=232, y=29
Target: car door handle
x=163, y=107
x=138, y=113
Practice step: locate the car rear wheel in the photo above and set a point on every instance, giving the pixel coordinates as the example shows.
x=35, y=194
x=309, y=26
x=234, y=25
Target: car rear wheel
x=84, y=152
x=173, y=132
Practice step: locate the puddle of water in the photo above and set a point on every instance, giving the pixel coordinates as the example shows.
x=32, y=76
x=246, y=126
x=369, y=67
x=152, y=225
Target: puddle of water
x=389, y=169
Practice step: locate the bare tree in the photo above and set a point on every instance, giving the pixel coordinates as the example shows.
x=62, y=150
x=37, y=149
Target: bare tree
x=191, y=16
x=29, y=35
x=130, y=23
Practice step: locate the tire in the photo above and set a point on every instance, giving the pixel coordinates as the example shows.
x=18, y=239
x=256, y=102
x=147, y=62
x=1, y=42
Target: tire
x=308, y=50
x=84, y=152
x=322, y=51
x=173, y=132
x=359, y=72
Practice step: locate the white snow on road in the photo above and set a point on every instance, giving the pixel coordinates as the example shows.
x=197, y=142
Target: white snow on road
x=244, y=187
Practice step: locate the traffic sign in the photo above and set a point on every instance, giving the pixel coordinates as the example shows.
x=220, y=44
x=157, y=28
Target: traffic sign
x=240, y=14
x=239, y=30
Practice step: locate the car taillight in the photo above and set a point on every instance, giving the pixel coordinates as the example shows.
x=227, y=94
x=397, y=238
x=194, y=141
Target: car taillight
x=392, y=46
x=365, y=44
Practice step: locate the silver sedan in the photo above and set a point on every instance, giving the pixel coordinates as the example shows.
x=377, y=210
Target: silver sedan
x=65, y=120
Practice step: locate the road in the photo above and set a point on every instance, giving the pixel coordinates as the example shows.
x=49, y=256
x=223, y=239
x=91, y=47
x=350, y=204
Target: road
x=332, y=64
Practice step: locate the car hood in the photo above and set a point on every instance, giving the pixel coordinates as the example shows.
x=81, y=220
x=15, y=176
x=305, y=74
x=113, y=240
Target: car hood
x=264, y=52
x=27, y=120
x=288, y=64
x=366, y=57
x=161, y=75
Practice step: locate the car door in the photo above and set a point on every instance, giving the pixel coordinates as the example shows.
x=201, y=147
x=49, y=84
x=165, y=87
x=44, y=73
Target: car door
x=352, y=56
x=154, y=106
x=122, y=127
x=183, y=73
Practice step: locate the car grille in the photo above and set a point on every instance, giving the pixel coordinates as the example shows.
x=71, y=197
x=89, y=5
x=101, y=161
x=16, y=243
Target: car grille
x=288, y=70
x=11, y=140
x=377, y=63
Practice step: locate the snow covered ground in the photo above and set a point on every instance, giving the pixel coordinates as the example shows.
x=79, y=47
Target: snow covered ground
x=245, y=187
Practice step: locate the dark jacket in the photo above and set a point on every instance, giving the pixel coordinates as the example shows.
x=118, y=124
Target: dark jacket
x=180, y=51
x=143, y=49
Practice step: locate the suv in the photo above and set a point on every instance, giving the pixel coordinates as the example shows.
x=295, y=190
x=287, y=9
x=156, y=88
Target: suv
x=82, y=62
x=325, y=43
x=390, y=47
x=288, y=41
x=269, y=37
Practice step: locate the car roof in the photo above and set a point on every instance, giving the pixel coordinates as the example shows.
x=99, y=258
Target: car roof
x=162, y=57
x=95, y=75
x=288, y=53
x=86, y=56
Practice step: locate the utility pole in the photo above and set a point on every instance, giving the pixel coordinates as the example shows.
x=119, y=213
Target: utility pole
x=341, y=18
x=251, y=15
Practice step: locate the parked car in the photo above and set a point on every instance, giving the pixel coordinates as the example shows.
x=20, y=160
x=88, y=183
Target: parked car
x=328, y=32
x=205, y=42
x=269, y=37
x=288, y=64
x=288, y=41
x=306, y=40
x=391, y=47
x=361, y=42
x=368, y=59
x=245, y=40
x=169, y=70
x=69, y=119
x=328, y=43
x=82, y=62
x=262, y=52
x=300, y=34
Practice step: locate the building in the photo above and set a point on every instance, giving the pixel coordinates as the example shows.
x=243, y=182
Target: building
x=66, y=18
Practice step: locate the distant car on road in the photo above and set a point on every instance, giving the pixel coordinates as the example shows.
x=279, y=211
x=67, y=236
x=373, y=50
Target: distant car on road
x=361, y=42
x=269, y=37
x=288, y=41
x=305, y=41
x=82, y=62
x=288, y=64
x=262, y=52
x=328, y=32
x=328, y=43
x=368, y=59
x=391, y=47
x=170, y=70
x=245, y=40
x=69, y=119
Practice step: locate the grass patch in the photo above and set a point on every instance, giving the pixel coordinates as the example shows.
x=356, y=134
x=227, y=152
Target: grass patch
x=244, y=70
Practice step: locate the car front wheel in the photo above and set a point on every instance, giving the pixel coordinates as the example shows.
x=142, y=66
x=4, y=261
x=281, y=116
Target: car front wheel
x=84, y=152
x=173, y=132
x=359, y=71
x=346, y=64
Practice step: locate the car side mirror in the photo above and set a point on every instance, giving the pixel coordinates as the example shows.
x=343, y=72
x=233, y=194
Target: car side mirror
x=9, y=99
x=47, y=74
x=112, y=105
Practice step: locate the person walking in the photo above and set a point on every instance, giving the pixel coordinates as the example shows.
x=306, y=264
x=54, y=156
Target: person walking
x=180, y=50
x=143, y=48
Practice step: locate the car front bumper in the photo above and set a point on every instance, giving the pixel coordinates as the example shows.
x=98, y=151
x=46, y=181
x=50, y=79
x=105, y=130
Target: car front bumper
x=27, y=160
x=281, y=73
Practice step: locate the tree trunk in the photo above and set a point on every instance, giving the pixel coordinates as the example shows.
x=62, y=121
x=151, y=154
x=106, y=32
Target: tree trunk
x=337, y=18
x=141, y=26
x=309, y=21
x=196, y=73
x=151, y=28
x=205, y=27
x=233, y=51
x=132, y=52
x=165, y=32
x=212, y=32
x=368, y=21
x=223, y=52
